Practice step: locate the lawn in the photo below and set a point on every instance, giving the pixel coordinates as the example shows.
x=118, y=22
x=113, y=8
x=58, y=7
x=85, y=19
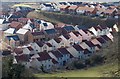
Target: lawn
x=98, y=71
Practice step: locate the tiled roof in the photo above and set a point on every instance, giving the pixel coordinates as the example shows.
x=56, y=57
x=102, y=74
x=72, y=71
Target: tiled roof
x=23, y=58
x=98, y=46
x=63, y=6
x=69, y=28
x=67, y=36
x=86, y=9
x=54, y=61
x=76, y=33
x=16, y=25
x=18, y=50
x=101, y=40
x=10, y=31
x=37, y=33
x=82, y=27
x=109, y=11
x=58, y=40
x=39, y=43
x=57, y=53
x=63, y=51
x=30, y=48
x=44, y=56
x=105, y=37
x=73, y=7
x=51, y=31
x=78, y=47
x=49, y=44
x=22, y=31
x=89, y=43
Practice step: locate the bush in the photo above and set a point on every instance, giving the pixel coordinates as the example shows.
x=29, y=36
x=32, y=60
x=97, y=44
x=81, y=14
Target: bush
x=96, y=59
x=79, y=64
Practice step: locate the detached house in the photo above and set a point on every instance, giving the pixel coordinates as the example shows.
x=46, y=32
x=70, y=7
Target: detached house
x=23, y=34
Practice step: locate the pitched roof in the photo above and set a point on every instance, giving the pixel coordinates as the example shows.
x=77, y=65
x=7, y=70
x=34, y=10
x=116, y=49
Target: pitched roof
x=51, y=31
x=30, y=48
x=58, y=40
x=39, y=43
x=43, y=56
x=54, y=61
x=23, y=57
x=82, y=27
x=57, y=53
x=22, y=31
x=15, y=24
x=78, y=47
x=63, y=6
x=10, y=31
x=85, y=8
x=67, y=36
x=76, y=33
x=18, y=50
x=73, y=7
x=37, y=33
x=101, y=40
x=98, y=46
x=69, y=28
x=89, y=43
x=2, y=21
x=50, y=45
x=105, y=37
x=63, y=51
x=29, y=26
x=109, y=11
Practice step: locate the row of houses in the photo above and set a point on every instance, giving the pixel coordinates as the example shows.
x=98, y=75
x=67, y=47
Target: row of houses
x=84, y=8
x=87, y=10
x=68, y=32
x=37, y=55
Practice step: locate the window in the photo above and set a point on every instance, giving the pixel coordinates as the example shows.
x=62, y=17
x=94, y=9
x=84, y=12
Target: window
x=45, y=48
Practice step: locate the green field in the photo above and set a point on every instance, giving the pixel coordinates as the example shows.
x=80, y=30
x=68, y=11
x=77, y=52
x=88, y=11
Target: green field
x=98, y=71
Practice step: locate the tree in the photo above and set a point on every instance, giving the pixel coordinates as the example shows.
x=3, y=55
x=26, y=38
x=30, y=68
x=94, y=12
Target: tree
x=10, y=70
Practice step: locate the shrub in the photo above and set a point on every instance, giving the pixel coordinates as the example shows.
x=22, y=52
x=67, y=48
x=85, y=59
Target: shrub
x=79, y=64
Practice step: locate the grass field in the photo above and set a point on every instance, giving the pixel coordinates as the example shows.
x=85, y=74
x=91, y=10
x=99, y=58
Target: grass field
x=98, y=71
